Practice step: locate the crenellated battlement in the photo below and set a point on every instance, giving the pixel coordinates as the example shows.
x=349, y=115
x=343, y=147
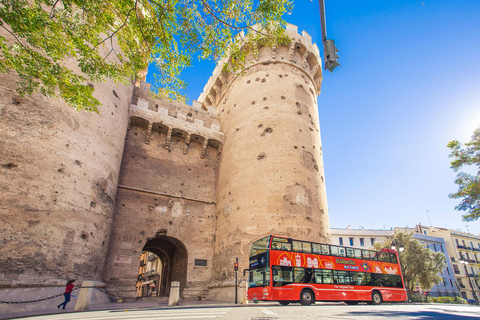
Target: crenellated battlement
x=175, y=119
x=299, y=52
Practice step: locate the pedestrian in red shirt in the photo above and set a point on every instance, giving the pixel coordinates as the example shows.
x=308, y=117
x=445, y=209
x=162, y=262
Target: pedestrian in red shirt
x=68, y=291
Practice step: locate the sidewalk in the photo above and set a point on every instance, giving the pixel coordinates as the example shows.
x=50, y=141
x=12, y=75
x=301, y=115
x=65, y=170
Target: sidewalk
x=116, y=306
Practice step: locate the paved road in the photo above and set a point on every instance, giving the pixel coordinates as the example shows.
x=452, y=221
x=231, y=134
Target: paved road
x=276, y=312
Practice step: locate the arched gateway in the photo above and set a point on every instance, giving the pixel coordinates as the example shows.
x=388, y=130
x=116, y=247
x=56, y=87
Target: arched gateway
x=173, y=257
x=135, y=269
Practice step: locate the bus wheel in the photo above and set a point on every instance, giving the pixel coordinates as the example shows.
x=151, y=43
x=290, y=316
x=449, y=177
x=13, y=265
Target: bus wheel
x=376, y=297
x=284, y=303
x=306, y=297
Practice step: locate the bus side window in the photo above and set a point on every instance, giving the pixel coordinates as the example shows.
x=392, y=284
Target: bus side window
x=376, y=280
x=337, y=251
x=393, y=258
x=350, y=253
x=281, y=244
x=359, y=278
x=334, y=250
x=307, y=247
x=341, y=277
x=297, y=246
x=303, y=275
x=323, y=276
x=325, y=249
x=367, y=279
x=367, y=255
x=316, y=248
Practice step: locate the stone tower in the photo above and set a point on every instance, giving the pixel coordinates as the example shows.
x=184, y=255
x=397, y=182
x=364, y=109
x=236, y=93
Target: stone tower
x=271, y=176
x=59, y=170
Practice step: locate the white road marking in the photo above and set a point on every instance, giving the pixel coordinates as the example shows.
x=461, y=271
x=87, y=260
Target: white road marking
x=139, y=314
x=268, y=312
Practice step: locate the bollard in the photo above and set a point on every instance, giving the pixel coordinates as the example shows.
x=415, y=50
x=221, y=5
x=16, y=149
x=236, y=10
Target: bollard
x=174, y=298
x=85, y=295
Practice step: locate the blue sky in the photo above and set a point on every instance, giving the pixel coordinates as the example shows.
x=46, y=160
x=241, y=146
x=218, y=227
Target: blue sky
x=408, y=84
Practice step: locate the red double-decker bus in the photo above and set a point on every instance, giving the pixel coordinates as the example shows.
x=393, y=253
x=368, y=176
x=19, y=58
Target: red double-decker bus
x=288, y=270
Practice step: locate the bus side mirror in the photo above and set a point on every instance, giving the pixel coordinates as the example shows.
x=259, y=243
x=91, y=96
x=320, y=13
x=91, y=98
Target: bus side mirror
x=245, y=270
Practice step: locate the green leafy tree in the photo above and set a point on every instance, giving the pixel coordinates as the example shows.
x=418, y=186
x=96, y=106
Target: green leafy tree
x=419, y=265
x=468, y=184
x=115, y=39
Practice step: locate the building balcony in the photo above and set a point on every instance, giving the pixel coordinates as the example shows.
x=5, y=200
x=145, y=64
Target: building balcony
x=150, y=273
x=476, y=249
x=152, y=257
x=459, y=246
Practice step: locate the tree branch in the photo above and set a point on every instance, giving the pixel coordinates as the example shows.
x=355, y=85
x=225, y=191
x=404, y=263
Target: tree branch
x=121, y=27
x=52, y=12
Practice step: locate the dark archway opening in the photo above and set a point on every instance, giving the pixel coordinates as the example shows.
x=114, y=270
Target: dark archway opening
x=173, y=257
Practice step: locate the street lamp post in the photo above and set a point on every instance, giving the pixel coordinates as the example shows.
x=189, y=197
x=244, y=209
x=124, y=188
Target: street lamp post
x=329, y=49
x=465, y=263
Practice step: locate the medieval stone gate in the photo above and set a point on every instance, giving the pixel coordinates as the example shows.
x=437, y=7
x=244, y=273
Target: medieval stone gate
x=85, y=194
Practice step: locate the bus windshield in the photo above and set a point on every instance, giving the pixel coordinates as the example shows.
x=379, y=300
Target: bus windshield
x=259, y=278
x=260, y=246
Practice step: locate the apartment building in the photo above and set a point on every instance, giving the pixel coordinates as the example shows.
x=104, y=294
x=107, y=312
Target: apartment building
x=149, y=274
x=365, y=238
x=358, y=238
x=464, y=251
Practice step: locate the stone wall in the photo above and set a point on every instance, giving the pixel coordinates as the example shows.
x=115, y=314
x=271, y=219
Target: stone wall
x=166, y=191
x=59, y=171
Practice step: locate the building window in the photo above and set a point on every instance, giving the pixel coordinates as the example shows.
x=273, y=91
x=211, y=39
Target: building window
x=441, y=248
x=351, y=241
x=444, y=282
x=340, y=241
x=452, y=258
x=451, y=283
x=448, y=271
x=372, y=241
x=456, y=241
x=455, y=269
x=434, y=247
x=362, y=242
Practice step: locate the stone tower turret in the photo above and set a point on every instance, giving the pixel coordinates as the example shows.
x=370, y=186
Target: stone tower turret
x=59, y=170
x=271, y=176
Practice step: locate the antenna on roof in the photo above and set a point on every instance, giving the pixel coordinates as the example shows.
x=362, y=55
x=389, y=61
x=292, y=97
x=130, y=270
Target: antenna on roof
x=429, y=219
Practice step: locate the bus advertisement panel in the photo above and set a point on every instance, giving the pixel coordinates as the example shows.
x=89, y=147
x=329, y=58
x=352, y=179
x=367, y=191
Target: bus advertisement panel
x=310, y=260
